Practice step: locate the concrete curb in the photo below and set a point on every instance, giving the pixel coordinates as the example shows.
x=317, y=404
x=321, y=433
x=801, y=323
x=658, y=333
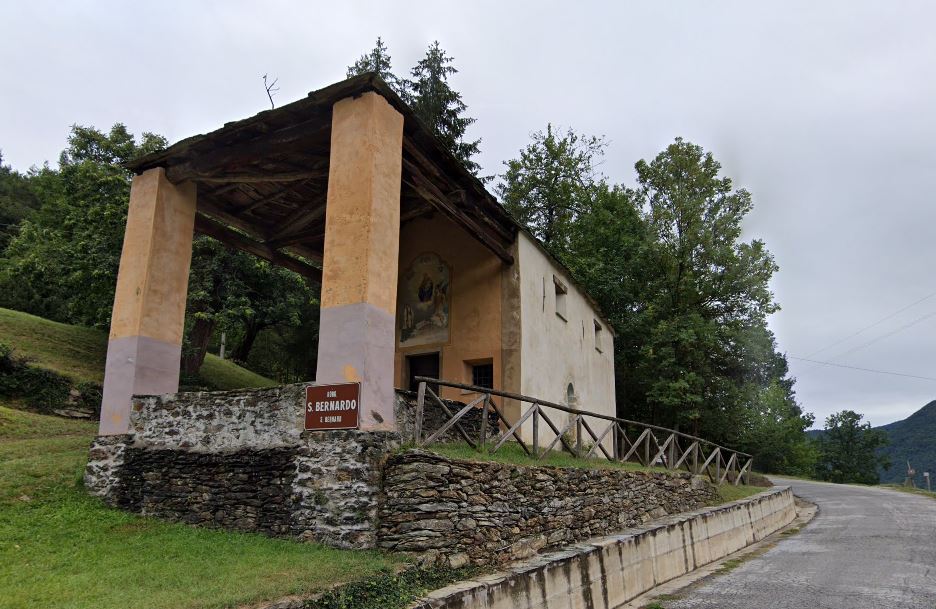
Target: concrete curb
x=607, y=572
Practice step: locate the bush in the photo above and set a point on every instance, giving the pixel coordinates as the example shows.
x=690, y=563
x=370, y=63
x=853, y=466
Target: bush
x=42, y=389
x=389, y=590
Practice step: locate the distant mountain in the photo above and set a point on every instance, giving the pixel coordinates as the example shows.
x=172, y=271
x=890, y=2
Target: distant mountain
x=914, y=438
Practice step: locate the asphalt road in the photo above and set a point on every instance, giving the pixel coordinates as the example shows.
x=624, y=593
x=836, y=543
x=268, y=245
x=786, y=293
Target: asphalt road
x=866, y=548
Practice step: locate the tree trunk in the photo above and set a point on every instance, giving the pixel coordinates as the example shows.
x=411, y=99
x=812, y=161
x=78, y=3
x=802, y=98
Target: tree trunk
x=194, y=355
x=250, y=335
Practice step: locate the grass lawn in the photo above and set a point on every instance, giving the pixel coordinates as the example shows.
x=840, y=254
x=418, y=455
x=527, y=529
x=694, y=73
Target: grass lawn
x=729, y=492
x=62, y=548
x=912, y=491
x=512, y=453
x=79, y=353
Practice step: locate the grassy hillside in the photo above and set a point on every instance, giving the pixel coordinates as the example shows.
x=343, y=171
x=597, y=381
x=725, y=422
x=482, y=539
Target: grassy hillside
x=79, y=353
x=60, y=547
x=912, y=439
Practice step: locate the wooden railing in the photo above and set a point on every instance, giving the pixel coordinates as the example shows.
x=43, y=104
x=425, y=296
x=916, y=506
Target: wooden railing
x=648, y=445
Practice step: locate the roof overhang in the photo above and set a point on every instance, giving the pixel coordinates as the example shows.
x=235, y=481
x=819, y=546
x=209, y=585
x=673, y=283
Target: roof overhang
x=262, y=181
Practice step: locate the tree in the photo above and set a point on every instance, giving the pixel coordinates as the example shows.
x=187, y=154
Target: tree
x=608, y=249
x=378, y=61
x=236, y=292
x=848, y=450
x=18, y=200
x=707, y=292
x=552, y=183
x=63, y=262
x=277, y=299
x=439, y=106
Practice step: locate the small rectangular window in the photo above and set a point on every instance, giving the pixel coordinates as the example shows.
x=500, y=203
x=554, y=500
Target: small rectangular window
x=561, y=294
x=598, y=331
x=482, y=375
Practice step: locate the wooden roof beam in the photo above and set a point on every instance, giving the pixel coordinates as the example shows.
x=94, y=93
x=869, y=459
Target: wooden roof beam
x=435, y=197
x=207, y=226
x=180, y=173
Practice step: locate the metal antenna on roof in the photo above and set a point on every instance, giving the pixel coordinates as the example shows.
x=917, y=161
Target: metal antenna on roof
x=271, y=88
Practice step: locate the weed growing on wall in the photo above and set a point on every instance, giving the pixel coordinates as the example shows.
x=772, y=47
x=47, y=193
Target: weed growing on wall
x=391, y=590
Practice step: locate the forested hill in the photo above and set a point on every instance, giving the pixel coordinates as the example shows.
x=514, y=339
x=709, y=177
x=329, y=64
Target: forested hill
x=913, y=439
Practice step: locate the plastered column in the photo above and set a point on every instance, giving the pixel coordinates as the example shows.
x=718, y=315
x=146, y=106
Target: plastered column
x=362, y=242
x=145, y=346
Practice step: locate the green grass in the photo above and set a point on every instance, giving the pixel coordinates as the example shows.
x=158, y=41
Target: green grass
x=72, y=351
x=61, y=548
x=79, y=353
x=512, y=453
x=913, y=491
x=728, y=492
x=223, y=375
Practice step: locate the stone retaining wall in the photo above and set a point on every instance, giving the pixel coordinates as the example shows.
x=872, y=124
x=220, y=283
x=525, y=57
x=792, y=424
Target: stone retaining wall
x=465, y=512
x=241, y=460
x=606, y=572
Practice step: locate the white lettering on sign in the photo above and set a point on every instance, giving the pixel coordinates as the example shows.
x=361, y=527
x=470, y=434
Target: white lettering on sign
x=330, y=419
x=330, y=405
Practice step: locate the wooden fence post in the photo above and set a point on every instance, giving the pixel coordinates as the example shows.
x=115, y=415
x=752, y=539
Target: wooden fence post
x=420, y=405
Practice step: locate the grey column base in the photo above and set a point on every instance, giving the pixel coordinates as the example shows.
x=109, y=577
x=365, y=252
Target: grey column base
x=136, y=365
x=356, y=343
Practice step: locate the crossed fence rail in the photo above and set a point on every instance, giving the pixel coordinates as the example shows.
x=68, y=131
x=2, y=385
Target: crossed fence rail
x=631, y=440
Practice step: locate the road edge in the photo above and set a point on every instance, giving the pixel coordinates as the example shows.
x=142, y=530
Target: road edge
x=805, y=513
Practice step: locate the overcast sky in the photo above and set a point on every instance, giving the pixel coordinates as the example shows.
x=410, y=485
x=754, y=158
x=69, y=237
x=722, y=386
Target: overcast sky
x=825, y=111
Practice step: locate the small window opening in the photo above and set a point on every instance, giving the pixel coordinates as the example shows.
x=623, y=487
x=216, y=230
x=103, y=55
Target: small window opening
x=561, y=294
x=482, y=375
x=598, y=337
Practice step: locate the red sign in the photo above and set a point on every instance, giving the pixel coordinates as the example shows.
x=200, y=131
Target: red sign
x=332, y=406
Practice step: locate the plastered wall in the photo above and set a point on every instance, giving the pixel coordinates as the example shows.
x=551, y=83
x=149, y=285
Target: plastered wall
x=557, y=351
x=474, y=301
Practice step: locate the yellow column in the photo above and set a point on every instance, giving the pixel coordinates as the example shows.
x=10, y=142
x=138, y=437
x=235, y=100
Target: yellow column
x=145, y=346
x=362, y=242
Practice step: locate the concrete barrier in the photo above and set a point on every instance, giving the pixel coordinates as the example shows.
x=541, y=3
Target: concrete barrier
x=606, y=572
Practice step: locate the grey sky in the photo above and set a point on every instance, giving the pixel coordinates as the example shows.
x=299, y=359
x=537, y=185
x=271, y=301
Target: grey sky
x=824, y=111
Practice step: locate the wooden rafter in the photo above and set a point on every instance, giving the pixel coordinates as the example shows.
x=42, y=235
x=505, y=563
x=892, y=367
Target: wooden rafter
x=434, y=196
x=180, y=173
x=207, y=226
x=297, y=221
x=271, y=198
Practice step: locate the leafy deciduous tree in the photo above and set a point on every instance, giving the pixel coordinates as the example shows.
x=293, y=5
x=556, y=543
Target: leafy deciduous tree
x=847, y=449
x=552, y=183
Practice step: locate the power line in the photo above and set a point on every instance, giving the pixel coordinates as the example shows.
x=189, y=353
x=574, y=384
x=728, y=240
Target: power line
x=868, y=327
x=883, y=336
x=813, y=361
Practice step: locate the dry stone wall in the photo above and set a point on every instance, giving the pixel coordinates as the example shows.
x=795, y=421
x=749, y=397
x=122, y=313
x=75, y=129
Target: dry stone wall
x=241, y=460
x=463, y=512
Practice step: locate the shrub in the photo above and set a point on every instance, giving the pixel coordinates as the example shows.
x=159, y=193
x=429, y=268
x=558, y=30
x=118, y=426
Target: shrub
x=40, y=388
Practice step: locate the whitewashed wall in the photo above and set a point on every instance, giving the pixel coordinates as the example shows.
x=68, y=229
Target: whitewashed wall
x=556, y=352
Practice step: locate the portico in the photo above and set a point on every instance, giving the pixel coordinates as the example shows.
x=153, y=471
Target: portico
x=323, y=186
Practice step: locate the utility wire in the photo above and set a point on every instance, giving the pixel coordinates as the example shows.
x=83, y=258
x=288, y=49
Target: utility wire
x=883, y=336
x=868, y=327
x=813, y=361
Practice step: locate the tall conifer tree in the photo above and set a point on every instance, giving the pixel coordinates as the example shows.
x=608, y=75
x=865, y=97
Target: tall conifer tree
x=440, y=106
x=378, y=60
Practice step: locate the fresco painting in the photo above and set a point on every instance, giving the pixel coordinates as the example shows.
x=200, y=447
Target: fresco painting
x=424, y=302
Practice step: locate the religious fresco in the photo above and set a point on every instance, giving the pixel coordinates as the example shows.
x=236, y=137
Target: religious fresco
x=424, y=302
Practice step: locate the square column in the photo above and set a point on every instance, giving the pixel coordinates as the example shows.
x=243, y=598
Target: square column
x=357, y=329
x=145, y=346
